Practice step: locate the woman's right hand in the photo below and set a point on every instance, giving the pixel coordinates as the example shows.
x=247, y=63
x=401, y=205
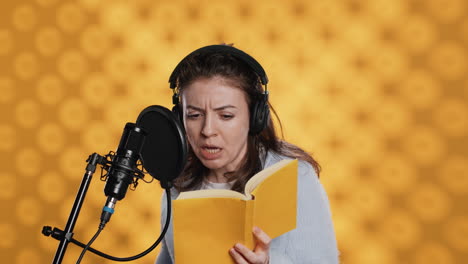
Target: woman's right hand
x=260, y=255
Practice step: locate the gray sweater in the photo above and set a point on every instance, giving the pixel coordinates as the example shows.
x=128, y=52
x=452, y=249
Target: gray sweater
x=312, y=242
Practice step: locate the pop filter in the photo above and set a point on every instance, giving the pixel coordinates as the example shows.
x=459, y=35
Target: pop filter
x=165, y=150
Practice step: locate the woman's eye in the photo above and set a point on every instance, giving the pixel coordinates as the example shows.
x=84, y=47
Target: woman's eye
x=227, y=117
x=192, y=116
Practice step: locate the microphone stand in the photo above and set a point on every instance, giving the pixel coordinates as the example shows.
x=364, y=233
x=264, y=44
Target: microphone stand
x=66, y=238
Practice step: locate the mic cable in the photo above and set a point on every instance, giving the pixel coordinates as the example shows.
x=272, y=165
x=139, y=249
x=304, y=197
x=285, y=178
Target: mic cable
x=89, y=244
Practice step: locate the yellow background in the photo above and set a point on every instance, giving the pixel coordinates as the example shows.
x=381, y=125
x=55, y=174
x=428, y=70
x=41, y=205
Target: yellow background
x=377, y=90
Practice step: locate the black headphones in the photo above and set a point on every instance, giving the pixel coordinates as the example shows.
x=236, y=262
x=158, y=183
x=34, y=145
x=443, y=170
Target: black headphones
x=260, y=112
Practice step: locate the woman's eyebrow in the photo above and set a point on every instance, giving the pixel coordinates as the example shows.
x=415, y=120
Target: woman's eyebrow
x=216, y=109
x=195, y=108
x=224, y=107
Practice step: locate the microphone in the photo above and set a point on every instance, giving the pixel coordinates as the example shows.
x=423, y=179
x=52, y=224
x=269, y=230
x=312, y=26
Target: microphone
x=156, y=144
x=123, y=168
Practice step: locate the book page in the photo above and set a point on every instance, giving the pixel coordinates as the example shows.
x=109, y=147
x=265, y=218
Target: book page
x=212, y=193
x=262, y=175
x=276, y=201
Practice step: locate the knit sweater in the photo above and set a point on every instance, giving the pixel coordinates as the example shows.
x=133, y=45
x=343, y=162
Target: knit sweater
x=312, y=242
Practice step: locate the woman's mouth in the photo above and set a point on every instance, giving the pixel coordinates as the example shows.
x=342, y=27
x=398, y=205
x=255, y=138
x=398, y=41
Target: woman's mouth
x=210, y=152
x=212, y=149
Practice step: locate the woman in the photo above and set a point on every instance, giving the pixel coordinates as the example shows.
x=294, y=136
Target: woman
x=225, y=112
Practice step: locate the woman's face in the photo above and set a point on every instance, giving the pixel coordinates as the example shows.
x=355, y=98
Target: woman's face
x=216, y=118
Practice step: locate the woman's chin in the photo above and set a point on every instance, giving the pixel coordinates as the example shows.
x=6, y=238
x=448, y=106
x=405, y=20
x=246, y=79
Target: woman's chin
x=211, y=164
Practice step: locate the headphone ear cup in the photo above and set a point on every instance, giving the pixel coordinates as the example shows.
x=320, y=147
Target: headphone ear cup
x=259, y=117
x=178, y=114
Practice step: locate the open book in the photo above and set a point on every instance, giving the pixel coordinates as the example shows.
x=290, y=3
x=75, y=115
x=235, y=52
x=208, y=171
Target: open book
x=207, y=223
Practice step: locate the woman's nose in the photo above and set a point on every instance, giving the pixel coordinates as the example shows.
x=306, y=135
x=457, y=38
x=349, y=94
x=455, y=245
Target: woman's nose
x=209, y=126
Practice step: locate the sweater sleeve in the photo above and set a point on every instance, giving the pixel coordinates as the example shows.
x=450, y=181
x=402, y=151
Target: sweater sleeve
x=313, y=241
x=163, y=257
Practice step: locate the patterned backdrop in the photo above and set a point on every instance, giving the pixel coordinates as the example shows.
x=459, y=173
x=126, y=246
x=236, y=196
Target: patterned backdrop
x=376, y=90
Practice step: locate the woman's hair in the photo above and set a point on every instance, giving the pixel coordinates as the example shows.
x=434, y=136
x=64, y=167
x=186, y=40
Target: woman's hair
x=239, y=74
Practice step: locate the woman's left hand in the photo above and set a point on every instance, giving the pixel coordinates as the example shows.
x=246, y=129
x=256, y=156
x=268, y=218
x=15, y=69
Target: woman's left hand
x=260, y=255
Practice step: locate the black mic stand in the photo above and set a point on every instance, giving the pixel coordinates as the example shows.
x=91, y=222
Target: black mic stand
x=66, y=238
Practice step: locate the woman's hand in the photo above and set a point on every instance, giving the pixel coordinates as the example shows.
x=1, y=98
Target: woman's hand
x=242, y=255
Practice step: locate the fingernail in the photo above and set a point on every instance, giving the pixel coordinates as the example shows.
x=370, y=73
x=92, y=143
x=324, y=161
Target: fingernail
x=256, y=229
x=237, y=245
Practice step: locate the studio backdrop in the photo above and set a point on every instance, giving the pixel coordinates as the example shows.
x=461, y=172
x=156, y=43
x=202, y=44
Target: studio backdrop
x=375, y=90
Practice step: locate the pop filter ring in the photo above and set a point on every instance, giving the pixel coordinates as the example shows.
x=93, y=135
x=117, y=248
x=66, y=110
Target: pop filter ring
x=166, y=181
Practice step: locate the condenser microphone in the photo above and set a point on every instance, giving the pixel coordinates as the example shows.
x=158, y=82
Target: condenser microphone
x=158, y=140
x=156, y=145
x=123, y=168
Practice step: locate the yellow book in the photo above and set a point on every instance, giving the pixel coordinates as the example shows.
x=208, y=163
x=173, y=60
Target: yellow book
x=207, y=223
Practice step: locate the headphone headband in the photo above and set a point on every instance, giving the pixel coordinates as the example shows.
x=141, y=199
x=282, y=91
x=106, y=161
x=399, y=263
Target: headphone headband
x=256, y=67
